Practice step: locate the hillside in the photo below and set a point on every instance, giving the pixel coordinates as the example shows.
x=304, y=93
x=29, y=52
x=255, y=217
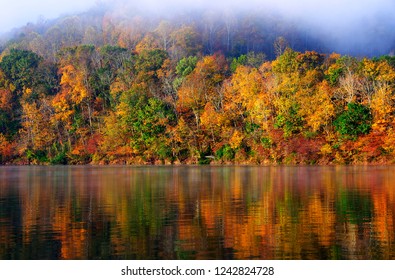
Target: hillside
x=120, y=85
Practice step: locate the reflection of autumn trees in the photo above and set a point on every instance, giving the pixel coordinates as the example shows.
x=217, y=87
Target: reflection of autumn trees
x=198, y=213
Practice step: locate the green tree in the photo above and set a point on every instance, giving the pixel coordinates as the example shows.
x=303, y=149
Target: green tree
x=113, y=61
x=9, y=108
x=148, y=62
x=19, y=68
x=140, y=123
x=356, y=120
x=184, y=67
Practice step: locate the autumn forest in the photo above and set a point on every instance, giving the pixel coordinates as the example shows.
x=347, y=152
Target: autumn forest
x=106, y=87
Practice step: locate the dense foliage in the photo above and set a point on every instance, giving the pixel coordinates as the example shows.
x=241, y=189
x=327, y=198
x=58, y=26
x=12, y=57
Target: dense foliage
x=125, y=94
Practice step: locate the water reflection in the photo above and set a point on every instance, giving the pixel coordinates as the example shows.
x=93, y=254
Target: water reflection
x=197, y=213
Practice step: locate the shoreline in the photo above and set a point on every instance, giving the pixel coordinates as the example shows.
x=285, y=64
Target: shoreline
x=206, y=165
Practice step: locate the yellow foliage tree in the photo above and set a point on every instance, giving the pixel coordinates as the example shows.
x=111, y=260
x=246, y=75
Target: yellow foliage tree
x=36, y=132
x=382, y=107
x=316, y=106
x=73, y=84
x=245, y=97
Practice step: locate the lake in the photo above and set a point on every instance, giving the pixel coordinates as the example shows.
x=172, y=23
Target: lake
x=197, y=212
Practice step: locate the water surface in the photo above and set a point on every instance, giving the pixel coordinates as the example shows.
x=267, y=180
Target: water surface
x=189, y=212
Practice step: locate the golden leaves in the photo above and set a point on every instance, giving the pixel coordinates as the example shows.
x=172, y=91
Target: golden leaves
x=316, y=106
x=382, y=107
x=35, y=130
x=236, y=139
x=73, y=84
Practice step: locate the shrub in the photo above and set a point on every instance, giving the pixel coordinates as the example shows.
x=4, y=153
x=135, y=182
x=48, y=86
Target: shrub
x=226, y=153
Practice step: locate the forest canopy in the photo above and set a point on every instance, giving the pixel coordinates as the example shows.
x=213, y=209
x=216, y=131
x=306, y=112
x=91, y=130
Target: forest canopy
x=104, y=87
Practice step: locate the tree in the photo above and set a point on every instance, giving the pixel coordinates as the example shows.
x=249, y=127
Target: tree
x=113, y=64
x=349, y=82
x=184, y=67
x=377, y=83
x=149, y=42
x=19, y=67
x=316, y=107
x=183, y=141
x=53, y=37
x=187, y=42
x=251, y=59
x=213, y=122
x=74, y=117
x=148, y=68
x=245, y=101
x=24, y=77
x=203, y=85
x=383, y=107
x=139, y=124
x=71, y=27
x=76, y=100
x=7, y=149
x=287, y=83
x=211, y=27
x=280, y=45
x=92, y=36
x=356, y=120
x=9, y=108
x=230, y=22
x=147, y=63
x=164, y=30
x=36, y=135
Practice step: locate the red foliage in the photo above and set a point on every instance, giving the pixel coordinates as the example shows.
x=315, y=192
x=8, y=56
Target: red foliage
x=5, y=99
x=371, y=145
x=93, y=143
x=297, y=148
x=7, y=149
x=306, y=150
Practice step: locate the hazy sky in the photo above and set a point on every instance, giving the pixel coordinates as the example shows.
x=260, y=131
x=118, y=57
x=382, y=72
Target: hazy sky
x=15, y=13
x=362, y=23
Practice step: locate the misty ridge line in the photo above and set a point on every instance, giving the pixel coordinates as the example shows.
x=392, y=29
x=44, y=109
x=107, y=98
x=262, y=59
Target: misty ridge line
x=358, y=28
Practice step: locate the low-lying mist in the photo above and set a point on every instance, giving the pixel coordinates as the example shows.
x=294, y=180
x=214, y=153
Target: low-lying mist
x=360, y=28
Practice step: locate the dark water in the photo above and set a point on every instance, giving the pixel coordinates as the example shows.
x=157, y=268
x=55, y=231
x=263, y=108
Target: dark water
x=197, y=212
